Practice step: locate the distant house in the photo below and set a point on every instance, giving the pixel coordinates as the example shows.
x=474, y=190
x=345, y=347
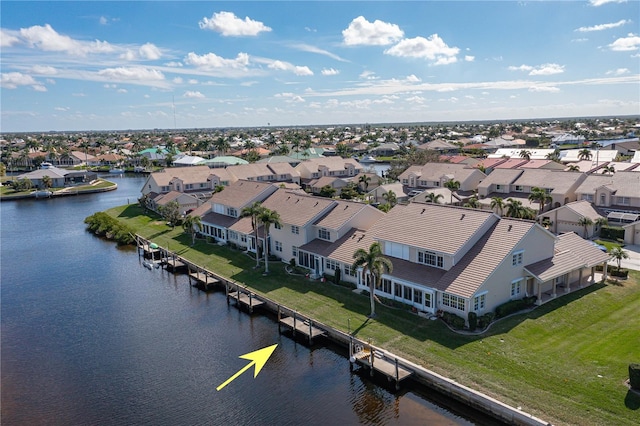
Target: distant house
x=385, y=150
x=619, y=191
x=568, y=139
x=185, y=202
x=435, y=175
x=567, y=219
x=59, y=177
x=327, y=166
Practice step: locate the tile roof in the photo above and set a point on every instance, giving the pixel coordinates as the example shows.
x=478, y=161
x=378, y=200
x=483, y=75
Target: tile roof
x=625, y=184
x=584, y=208
x=340, y=214
x=219, y=219
x=570, y=253
x=558, y=181
x=186, y=174
x=435, y=171
x=500, y=177
x=480, y=261
x=511, y=163
x=443, y=229
x=295, y=208
x=241, y=193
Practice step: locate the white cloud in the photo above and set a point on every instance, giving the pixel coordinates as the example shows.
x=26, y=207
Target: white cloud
x=47, y=39
x=193, y=94
x=548, y=69
x=39, y=88
x=469, y=58
x=286, y=66
x=63, y=109
x=8, y=38
x=597, y=3
x=150, y=51
x=547, y=89
x=174, y=64
x=298, y=70
x=603, y=27
x=177, y=80
x=211, y=60
x=416, y=99
x=193, y=81
x=368, y=75
x=619, y=71
x=432, y=48
x=103, y=20
x=413, y=79
x=12, y=80
x=228, y=24
x=313, y=49
x=131, y=74
x=329, y=71
x=43, y=70
x=290, y=97
x=544, y=69
x=624, y=44
x=377, y=33
x=122, y=91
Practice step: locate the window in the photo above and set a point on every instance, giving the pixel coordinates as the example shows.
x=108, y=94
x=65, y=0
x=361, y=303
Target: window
x=348, y=270
x=277, y=225
x=324, y=234
x=331, y=265
x=516, y=287
x=385, y=285
x=233, y=235
x=479, y=302
x=453, y=301
x=294, y=251
x=165, y=189
x=417, y=296
x=408, y=293
x=516, y=259
x=243, y=238
x=278, y=246
x=587, y=197
x=397, y=290
x=624, y=201
x=295, y=229
x=188, y=186
x=429, y=258
x=203, y=185
x=498, y=187
x=232, y=212
x=427, y=300
x=519, y=188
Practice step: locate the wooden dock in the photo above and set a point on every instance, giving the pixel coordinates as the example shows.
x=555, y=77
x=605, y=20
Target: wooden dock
x=249, y=300
x=299, y=325
x=174, y=265
x=377, y=360
x=203, y=280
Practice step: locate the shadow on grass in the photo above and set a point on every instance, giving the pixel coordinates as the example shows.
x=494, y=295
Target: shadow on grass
x=132, y=211
x=632, y=400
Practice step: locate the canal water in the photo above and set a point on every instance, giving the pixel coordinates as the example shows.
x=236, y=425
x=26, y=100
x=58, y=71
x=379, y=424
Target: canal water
x=91, y=337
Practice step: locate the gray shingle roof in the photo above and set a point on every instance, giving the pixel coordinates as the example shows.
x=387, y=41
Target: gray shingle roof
x=295, y=208
x=241, y=193
x=626, y=184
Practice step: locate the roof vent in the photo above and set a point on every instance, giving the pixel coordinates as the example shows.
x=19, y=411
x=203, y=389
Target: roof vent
x=462, y=217
x=346, y=207
x=423, y=210
x=297, y=200
x=315, y=204
x=509, y=229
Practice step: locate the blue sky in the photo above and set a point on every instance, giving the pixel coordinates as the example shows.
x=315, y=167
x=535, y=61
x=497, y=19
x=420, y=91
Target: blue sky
x=141, y=65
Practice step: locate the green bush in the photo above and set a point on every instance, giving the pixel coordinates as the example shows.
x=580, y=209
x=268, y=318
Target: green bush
x=453, y=320
x=337, y=275
x=106, y=226
x=473, y=321
x=622, y=273
x=634, y=376
x=485, y=320
x=612, y=233
x=513, y=306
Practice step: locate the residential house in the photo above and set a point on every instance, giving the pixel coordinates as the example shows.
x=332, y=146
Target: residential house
x=316, y=185
x=543, y=165
x=385, y=150
x=196, y=179
x=186, y=202
x=568, y=218
x=464, y=260
x=59, y=177
x=597, y=156
x=315, y=168
x=376, y=195
x=459, y=159
x=617, y=192
x=439, y=145
x=435, y=175
x=533, y=154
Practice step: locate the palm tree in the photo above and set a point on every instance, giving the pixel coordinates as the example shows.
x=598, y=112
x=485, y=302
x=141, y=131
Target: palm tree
x=364, y=180
x=610, y=169
x=47, y=182
x=585, y=221
x=525, y=154
x=192, y=225
x=585, y=154
x=540, y=196
x=498, y=204
x=618, y=254
x=432, y=197
x=472, y=203
x=573, y=168
x=390, y=198
x=452, y=185
x=222, y=145
x=373, y=265
x=254, y=211
x=267, y=218
x=515, y=208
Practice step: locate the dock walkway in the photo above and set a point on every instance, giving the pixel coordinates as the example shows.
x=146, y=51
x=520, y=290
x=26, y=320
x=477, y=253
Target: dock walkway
x=249, y=300
x=301, y=325
x=377, y=360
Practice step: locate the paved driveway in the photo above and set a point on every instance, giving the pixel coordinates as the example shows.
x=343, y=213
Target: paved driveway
x=634, y=258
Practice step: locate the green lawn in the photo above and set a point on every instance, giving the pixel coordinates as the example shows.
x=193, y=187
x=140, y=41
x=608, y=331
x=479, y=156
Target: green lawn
x=565, y=362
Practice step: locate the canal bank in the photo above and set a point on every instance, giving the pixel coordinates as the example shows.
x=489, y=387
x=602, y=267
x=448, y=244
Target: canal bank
x=360, y=352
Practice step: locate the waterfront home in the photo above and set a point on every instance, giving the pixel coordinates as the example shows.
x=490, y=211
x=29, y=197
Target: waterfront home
x=376, y=195
x=462, y=260
x=518, y=184
x=186, y=202
x=315, y=168
x=196, y=179
x=435, y=175
x=618, y=191
x=59, y=177
x=580, y=217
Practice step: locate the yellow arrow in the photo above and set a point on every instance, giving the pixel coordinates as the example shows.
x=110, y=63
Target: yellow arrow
x=258, y=358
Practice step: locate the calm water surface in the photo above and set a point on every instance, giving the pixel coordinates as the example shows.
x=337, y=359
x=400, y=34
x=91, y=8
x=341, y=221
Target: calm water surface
x=91, y=337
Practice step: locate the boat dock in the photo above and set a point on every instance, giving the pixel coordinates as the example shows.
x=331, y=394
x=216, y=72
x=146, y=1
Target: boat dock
x=149, y=251
x=173, y=265
x=243, y=297
x=300, y=325
x=377, y=360
x=203, y=279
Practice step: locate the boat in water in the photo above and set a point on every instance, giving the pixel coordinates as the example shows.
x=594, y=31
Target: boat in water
x=368, y=159
x=117, y=170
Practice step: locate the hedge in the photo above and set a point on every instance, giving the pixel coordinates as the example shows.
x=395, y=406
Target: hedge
x=106, y=226
x=473, y=321
x=453, y=320
x=485, y=320
x=513, y=306
x=612, y=233
x=634, y=376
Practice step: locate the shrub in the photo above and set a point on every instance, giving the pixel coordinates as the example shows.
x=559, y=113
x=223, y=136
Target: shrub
x=485, y=320
x=453, y=320
x=104, y=225
x=514, y=306
x=612, y=233
x=634, y=376
x=337, y=275
x=622, y=273
x=473, y=320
